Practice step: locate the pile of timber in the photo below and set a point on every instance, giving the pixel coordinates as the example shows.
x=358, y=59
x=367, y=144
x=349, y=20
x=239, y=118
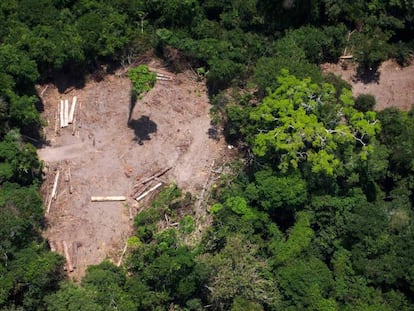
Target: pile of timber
x=70, y=251
x=163, y=77
x=67, y=114
x=143, y=187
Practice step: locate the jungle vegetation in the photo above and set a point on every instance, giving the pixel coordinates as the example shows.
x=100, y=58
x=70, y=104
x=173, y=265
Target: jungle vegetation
x=316, y=215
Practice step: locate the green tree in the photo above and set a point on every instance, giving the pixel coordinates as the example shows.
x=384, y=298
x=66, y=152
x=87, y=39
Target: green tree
x=292, y=130
x=71, y=297
x=142, y=79
x=239, y=272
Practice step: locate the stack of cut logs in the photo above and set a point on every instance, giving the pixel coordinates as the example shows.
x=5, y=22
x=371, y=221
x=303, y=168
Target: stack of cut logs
x=163, y=77
x=140, y=189
x=66, y=114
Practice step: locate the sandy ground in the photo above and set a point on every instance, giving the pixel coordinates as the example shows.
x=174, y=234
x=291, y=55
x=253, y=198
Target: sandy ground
x=393, y=85
x=105, y=159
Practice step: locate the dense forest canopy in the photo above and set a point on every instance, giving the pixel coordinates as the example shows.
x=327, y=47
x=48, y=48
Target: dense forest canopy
x=316, y=215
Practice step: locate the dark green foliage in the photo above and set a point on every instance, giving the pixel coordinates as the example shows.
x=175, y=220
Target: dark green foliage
x=365, y=102
x=72, y=298
x=310, y=224
x=370, y=49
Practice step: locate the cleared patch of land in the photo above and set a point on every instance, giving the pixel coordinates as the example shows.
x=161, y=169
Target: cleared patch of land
x=392, y=85
x=107, y=156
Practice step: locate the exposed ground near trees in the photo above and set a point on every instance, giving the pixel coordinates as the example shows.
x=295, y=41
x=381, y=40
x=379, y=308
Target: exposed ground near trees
x=106, y=156
x=392, y=85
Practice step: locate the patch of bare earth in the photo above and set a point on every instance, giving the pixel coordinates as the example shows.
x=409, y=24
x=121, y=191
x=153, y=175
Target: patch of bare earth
x=392, y=85
x=105, y=159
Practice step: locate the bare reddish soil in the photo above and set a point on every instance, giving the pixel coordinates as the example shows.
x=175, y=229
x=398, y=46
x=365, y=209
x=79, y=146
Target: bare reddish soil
x=105, y=158
x=392, y=85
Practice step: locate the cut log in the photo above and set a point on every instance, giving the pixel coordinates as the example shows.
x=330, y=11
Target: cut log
x=163, y=79
x=75, y=254
x=52, y=246
x=57, y=121
x=72, y=110
x=62, y=113
x=148, y=192
x=140, y=189
x=158, y=174
x=70, y=181
x=130, y=212
x=54, y=190
x=44, y=90
x=66, y=112
x=67, y=256
x=69, y=90
x=108, y=198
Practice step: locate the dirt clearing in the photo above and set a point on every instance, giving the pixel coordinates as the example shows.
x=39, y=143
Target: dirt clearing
x=392, y=85
x=106, y=156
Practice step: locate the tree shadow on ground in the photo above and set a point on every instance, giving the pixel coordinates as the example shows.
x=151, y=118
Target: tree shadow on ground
x=132, y=103
x=142, y=127
x=368, y=75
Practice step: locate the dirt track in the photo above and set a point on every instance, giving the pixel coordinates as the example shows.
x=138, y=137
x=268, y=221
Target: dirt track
x=104, y=156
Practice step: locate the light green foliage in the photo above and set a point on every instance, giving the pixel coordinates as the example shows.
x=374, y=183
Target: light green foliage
x=142, y=79
x=291, y=127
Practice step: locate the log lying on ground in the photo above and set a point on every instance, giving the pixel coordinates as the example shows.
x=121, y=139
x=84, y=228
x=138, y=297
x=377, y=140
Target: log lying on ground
x=52, y=246
x=72, y=110
x=66, y=112
x=148, y=192
x=70, y=181
x=62, y=114
x=67, y=256
x=54, y=190
x=75, y=254
x=158, y=174
x=108, y=198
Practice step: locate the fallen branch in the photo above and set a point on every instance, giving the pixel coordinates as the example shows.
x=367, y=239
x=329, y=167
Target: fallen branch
x=53, y=194
x=148, y=192
x=68, y=260
x=201, y=198
x=108, y=198
x=44, y=90
x=159, y=174
x=122, y=255
x=69, y=90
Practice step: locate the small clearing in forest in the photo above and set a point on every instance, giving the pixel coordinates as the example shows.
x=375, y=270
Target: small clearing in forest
x=392, y=85
x=169, y=127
